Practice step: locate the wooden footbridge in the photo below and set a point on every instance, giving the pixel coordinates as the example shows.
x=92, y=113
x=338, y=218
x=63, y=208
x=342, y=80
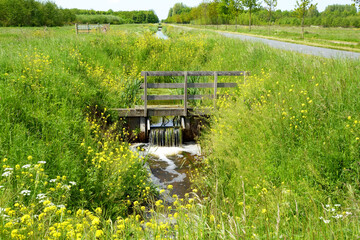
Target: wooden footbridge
x=139, y=116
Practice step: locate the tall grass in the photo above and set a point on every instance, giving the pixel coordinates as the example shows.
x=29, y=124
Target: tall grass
x=281, y=154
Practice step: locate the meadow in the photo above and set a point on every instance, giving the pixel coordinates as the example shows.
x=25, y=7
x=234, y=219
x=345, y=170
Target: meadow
x=330, y=37
x=281, y=155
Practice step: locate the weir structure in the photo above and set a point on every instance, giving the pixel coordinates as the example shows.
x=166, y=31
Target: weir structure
x=189, y=118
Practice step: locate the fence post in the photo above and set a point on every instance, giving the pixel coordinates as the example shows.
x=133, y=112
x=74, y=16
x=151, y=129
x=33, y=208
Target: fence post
x=145, y=94
x=185, y=93
x=215, y=88
x=76, y=29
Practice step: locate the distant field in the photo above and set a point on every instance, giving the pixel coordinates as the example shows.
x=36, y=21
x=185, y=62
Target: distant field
x=339, y=38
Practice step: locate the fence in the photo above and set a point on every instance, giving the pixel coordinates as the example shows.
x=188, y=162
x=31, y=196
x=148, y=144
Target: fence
x=186, y=85
x=88, y=28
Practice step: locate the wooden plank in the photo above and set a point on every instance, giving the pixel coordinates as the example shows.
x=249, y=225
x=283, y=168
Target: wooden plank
x=163, y=97
x=145, y=95
x=176, y=97
x=164, y=85
x=211, y=85
x=128, y=112
x=185, y=93
x=193, y=73
x=215, y=88
x=189, y=85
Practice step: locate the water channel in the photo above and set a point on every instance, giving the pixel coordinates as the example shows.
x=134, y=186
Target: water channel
x=170, y=164
x=161, y=35
x=169, y=160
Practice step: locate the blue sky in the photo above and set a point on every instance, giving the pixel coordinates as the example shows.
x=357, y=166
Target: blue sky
x=162, y=7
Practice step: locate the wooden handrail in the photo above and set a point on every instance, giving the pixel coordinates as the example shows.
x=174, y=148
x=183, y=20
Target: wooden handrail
x=186, y=85
x=193, y=73
x=189, y=85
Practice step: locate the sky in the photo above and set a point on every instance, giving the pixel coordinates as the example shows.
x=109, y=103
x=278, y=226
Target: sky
x=161, y=7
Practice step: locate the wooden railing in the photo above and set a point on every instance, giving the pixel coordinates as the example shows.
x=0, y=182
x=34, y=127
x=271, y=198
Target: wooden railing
x=186, y=85
x=87, y=28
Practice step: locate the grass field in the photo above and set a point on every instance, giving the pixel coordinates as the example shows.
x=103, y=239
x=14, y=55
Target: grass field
x=337, y=38
x=281, y=156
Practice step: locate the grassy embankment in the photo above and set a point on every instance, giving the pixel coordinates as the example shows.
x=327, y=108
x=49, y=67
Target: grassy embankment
x=337, y=38
x=282, y=155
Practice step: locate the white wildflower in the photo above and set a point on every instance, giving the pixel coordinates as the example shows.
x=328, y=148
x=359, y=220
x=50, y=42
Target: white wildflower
x=337, y=205
x=26, y=166
x=66, y=187
x=348, y=213
x=338, y=216
x=1, y=187
x=6, y=174
x=327, y=205
x=25, y=192
x=72, y=183
x=333, y=209
x=41, y=162
x=41, y=196
x=53, y=180
x=60, y=206
x=326, y=221
x=321, y=218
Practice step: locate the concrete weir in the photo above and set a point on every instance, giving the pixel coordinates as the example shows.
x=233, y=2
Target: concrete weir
x=190, y=126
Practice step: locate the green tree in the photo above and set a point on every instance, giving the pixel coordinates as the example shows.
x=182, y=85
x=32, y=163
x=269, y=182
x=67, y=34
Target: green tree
x=250, y=4
x=357, y=3
x=270, y=7
x=301, y=9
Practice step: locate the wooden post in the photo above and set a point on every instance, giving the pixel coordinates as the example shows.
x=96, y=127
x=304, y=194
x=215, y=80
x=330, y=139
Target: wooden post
x=185, y=93
x=143, y=134
x=145, y=94
x=77, y=28
x=215, y=88
x=245, y=74
x=98, y=28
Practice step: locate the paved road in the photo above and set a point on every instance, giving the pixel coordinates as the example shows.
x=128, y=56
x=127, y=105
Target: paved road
x=317, y=51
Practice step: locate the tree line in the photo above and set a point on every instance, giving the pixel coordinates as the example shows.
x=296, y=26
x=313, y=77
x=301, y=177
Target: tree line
x=254, y=12
x=119, y=17
x=33, y=13
x=41, y=13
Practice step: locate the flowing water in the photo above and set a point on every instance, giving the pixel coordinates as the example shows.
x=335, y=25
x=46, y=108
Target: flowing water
x=166, y=137
x=169, y=159
x=171, y=165
x=161, y=35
